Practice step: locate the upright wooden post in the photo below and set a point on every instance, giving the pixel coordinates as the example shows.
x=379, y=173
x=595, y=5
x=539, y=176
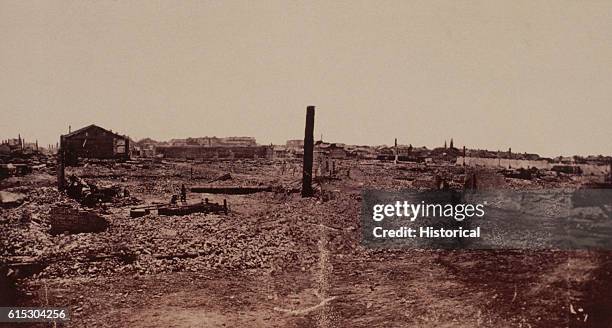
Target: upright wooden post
x=61, y=181
x=395, y=151
x=308, y=153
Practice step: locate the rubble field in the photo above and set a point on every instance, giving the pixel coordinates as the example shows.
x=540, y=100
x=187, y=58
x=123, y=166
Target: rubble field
x=277, y=259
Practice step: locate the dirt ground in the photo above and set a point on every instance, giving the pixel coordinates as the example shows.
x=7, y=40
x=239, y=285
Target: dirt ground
x=279, y=260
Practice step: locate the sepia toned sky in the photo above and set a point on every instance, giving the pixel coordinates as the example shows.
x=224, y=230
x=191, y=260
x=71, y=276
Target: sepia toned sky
x=532, y=75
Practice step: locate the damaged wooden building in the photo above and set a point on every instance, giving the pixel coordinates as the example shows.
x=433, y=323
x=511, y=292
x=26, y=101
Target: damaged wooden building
x=94, y=142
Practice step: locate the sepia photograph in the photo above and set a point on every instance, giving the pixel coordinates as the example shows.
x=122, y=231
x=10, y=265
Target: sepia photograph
x=276, y=163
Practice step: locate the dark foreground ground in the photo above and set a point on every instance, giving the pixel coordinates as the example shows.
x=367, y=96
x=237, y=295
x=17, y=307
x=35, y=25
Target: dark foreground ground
x=278, y=260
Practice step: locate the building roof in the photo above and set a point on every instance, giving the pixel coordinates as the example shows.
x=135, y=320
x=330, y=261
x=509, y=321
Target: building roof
x=75, y=132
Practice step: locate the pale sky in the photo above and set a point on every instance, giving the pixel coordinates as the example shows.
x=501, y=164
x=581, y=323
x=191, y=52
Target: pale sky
x=532, y=75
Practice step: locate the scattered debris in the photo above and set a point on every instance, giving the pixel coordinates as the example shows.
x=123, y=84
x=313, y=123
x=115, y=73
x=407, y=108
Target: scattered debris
x=520, y=173
x=7, y=170
x=223, y=177
x=90, y=194
x=9, y=199
x=139, y=212
x=232, y=190
x=264, y=232
x=567, y=169
x=204, y=207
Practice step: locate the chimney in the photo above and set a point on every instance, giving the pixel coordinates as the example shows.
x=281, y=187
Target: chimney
x=308, y=153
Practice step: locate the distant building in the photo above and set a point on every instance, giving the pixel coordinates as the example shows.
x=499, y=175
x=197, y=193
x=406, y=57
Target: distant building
x=337, y=152
x=30, y=145
x=404, y=153
x=215, y=153
x=215, y=142
x=528, y=156
x=280, y=151
x=204, y=141
x=178, y=142
x=361, y=152
x=238, y=142
x=332, y=150
x=93, y=141
x=297, y=143
x=14, y=143
x=146, y=147
x=565, y=159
